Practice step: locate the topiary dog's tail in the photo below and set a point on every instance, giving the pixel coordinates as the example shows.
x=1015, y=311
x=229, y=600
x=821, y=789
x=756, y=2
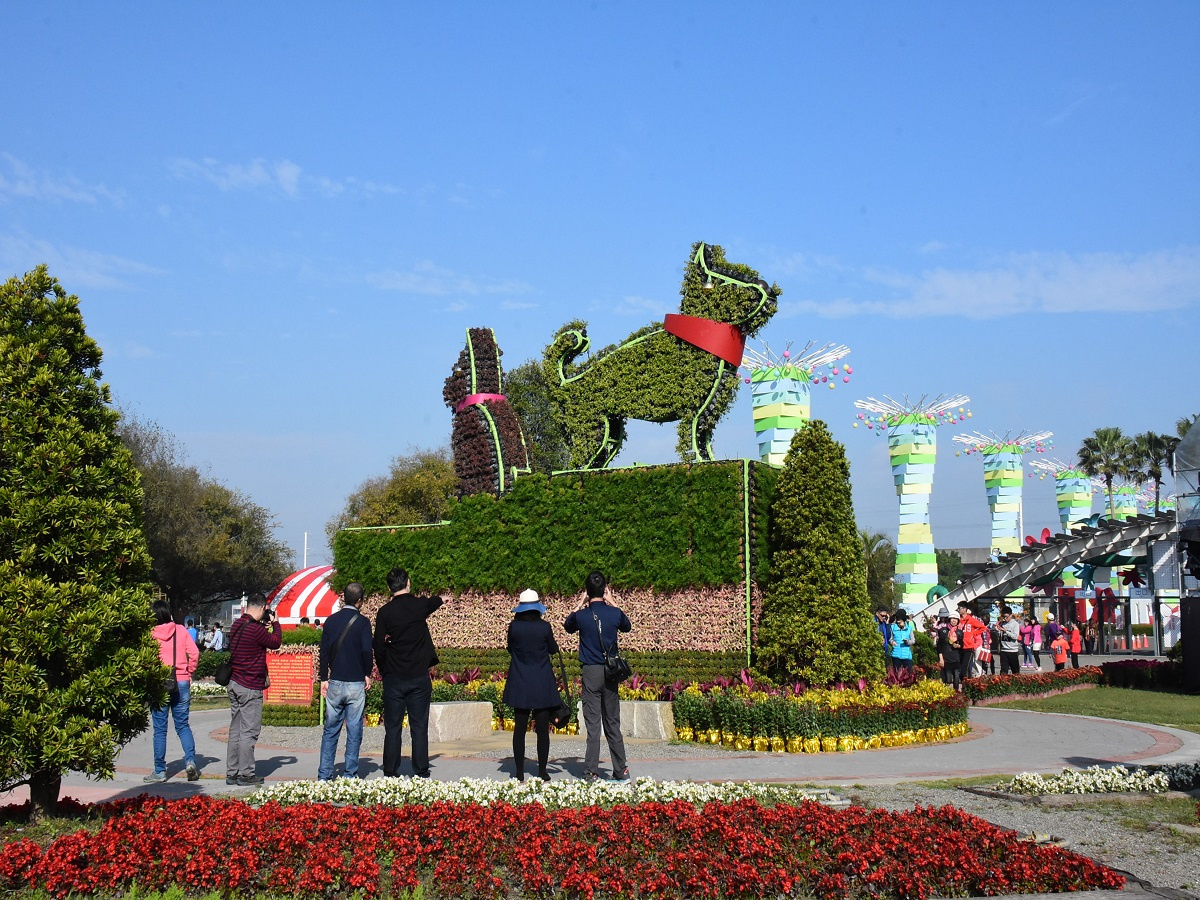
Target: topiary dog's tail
x=558, y=362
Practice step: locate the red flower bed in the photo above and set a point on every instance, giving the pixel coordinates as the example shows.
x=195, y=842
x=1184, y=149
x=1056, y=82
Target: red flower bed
x=990, y=687
x=740, y=849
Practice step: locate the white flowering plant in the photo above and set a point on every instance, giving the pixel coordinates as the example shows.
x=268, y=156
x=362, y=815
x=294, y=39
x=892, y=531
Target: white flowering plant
x=208, y=689
x=1092, y=780
x=552, y=795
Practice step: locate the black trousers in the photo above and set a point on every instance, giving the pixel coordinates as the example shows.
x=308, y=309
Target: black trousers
x=1010, y=662
x=410, y=696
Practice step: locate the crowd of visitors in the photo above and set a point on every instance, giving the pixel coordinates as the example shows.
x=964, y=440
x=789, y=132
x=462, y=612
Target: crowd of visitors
x=967, y=647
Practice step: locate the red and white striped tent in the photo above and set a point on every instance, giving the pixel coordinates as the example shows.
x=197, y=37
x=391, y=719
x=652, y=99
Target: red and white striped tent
x=304, y=593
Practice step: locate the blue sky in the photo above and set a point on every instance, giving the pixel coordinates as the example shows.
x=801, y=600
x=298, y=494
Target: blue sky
x=281, y=218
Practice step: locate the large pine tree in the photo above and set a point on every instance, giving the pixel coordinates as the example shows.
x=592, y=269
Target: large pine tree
x=816, y=624
x=78, y=666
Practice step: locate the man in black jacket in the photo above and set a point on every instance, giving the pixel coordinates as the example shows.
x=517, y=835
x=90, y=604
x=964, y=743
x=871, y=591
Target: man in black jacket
x=345, y=675
x=404, y=653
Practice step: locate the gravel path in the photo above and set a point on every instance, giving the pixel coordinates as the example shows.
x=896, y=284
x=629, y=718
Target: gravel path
x=1162, y=858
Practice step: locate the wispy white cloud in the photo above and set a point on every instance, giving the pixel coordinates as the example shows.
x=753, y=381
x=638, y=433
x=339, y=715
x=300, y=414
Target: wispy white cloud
x=282, y=176
x=18, y=180
x=1020, y=283
x=134, y=350
x=517, y=305
x=75, y=267
x=649, y=308
x=427, y=279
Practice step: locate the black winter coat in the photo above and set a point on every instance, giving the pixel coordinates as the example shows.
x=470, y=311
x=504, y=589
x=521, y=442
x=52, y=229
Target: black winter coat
x=531, y=682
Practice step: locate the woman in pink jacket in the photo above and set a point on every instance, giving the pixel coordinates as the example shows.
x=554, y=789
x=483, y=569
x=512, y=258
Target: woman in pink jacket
x=176, y=649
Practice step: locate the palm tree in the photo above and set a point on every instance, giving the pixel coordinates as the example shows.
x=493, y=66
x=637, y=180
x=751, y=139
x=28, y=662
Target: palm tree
x=1183, y=424
x=1151, y=452
x=880, y=555
x=1106, y=455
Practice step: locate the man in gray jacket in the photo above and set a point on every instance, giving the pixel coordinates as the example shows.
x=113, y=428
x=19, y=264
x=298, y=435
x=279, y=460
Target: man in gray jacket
x=1010, y=642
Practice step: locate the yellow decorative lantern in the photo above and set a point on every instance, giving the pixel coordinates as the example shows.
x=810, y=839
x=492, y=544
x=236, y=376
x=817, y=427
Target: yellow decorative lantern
x=829, y=744
x=812, y=745
x=795, y=745
x=777, y=745
x=762, y=744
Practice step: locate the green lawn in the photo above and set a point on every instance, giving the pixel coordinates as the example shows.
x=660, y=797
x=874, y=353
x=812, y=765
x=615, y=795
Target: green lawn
x=1151, y=707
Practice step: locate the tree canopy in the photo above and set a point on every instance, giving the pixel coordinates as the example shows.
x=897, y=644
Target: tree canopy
x=417, y=490
x=78, y=665
x=879, y=554
x=205, y=539
x=1106, y=454
x=545, y=431
x=950, y=568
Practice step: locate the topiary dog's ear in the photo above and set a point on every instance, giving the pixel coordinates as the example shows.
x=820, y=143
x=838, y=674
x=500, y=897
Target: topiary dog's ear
x=485, y=358
x=458, y=386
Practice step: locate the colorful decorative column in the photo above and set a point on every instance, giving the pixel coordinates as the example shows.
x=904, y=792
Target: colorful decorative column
x=1073, y=491
x=781, y=395
x=911, y=430
x=1125, y=501
x=1004, y=477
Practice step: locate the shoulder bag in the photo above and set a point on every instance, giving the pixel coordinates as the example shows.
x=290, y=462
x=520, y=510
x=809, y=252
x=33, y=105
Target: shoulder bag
x=616, y=668
x=224, y=673
x=171, y=683
x=562, y=715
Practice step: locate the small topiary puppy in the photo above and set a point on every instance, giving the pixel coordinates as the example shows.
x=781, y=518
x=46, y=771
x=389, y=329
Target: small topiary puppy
x=682, y=370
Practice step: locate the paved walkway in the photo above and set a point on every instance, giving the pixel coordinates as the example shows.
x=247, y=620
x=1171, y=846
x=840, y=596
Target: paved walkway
x=1002, y=741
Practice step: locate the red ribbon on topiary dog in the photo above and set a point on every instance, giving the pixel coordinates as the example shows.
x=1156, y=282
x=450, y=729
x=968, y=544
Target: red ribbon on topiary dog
x=721, y=339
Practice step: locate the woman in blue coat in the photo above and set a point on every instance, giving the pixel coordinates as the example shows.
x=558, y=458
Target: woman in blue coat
x=531, y=690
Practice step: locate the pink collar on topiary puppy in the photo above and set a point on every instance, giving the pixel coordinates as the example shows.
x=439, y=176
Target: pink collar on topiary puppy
x=476, y=399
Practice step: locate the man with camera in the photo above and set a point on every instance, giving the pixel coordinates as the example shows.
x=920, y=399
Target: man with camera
x=251, y=636
x=597, y=620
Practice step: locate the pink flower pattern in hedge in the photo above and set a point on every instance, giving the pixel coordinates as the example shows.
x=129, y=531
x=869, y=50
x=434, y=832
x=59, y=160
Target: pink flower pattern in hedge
x=704, y=618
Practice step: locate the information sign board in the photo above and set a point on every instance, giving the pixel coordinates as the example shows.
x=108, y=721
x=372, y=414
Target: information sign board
x=291, y=678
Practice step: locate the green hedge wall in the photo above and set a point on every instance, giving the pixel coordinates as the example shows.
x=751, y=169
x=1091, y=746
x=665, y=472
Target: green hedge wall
x=294, y=716
x=664, y=527
x=664, y=667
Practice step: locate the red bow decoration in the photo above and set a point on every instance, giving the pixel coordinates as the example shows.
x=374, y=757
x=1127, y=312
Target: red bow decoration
x=1132, y=578
x=1049, y=587
x=1031, y=541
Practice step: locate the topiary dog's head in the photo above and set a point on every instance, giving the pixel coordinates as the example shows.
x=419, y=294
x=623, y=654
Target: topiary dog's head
x=714, y=288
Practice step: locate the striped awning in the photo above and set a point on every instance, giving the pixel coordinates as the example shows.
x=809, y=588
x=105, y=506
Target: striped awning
x=305, y=593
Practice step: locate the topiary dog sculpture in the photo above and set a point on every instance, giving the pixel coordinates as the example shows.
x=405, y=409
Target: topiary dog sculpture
x=682, y=370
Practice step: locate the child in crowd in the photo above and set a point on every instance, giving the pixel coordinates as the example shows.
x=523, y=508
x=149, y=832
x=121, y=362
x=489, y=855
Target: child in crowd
x=1060, y=647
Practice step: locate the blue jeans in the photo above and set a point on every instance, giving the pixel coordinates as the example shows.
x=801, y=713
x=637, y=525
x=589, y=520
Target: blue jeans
x=411, y=696
x=180, y=704
x=344, y=701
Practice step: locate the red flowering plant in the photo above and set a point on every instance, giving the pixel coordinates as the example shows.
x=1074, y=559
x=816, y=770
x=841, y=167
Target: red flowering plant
x=1144, y=674
x=676, y=849
x=989, y=687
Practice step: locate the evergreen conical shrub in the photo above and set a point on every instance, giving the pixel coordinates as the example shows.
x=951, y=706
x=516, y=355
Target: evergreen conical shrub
x=78, y=665
x=816, y=624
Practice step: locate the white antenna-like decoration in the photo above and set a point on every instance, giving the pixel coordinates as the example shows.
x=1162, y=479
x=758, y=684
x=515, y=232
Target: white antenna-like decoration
x=1019, y=443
